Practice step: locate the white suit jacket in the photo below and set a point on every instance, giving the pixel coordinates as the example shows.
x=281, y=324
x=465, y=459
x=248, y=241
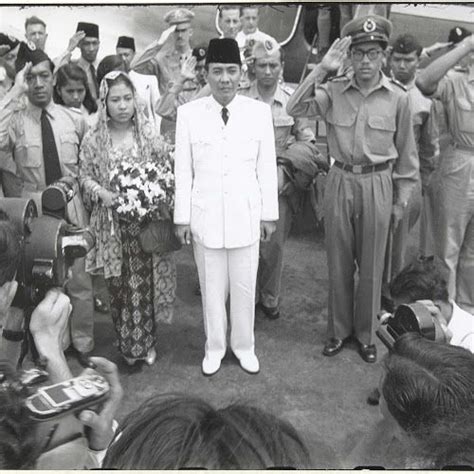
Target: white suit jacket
x=148, y=92
x=226, y=178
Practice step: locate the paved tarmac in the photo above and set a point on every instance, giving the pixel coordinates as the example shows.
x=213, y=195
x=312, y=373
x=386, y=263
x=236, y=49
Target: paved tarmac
x=324, y=398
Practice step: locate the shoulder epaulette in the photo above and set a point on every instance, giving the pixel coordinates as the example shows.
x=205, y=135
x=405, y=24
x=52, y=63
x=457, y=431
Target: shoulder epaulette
x=398, y=83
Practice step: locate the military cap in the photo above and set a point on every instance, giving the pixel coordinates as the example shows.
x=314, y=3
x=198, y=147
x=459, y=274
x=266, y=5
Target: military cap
x=199, y=53
x=28, y=52
x=406, y=44
x=223, y=50
x=90, y=29
x=179, y=15
x=264, y=48
x=368, y=28
x=126, y=42
x=8, y=40
x=457, y=34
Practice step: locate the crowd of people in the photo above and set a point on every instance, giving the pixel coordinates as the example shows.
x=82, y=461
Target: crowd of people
x=237, y=148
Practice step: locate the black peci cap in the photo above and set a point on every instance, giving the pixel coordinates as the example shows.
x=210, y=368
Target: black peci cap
x=126, y=42
x=90, y=29
x=223, y=50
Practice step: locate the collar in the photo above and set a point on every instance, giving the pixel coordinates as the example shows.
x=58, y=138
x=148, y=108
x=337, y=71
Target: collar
x=278, y=96
x=35, y=111
x=408, y=86
x=87, y=64
x=383, y=82
x=232, y=106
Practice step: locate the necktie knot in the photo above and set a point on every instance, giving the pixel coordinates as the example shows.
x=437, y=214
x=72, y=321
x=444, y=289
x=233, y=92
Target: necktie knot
x=225, y=114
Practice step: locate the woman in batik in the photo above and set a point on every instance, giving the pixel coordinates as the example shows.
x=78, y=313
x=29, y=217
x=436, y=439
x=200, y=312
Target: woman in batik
x=141, y=285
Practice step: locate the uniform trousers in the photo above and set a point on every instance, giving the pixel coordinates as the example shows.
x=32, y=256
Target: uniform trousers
x=271, y=256
x=454, y=221
x=79, y=290
x=427, y=225
x=223, y=272
x=357, y=219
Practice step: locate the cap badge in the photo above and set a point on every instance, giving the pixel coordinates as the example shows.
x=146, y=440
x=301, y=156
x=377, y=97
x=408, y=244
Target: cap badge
x=268, y=45
x=202, y=52
x=369, y=26
x=31, y=45
x=458, y=31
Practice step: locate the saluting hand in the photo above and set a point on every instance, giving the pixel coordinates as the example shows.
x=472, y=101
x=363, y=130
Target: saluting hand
x=165, y=35
x=75, y=39
x=20, y=79
x=336, y=54
x=187, y=68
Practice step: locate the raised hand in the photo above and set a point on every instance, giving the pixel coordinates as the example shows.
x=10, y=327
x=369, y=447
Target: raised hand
x=20, y=79
x=187, y=68
x=336, y=54
x=75, y=39
x=166, y=34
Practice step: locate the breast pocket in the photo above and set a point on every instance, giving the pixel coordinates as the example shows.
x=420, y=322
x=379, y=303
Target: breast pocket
x=70, y=150
x=246, y=147
x=380, y=132
x=465, y=111
x=201, y=149
x=29, y=158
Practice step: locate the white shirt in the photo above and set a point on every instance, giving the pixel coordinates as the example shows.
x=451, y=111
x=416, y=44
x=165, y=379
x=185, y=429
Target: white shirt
x=147, y=90
x=257, y=35
x=462, y=328
x=226, y=179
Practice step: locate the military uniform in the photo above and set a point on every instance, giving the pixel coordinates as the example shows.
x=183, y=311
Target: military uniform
x=371, y=141
x=287, y=130
x=454, y=217
x=22, y=164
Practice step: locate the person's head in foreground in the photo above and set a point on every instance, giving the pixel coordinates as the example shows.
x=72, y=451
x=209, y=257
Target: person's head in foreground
x=178, y=431
x=405, y=58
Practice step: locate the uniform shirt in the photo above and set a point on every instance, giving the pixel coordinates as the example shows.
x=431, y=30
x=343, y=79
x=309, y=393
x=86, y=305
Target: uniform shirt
x=21, y=148
x=86, y=66
x=226, y=179
x=461, y=326
x=287, y=129
x=368, y=130
x=166, y=66
x=456, y=92
x=425, y=127
x=147, y=92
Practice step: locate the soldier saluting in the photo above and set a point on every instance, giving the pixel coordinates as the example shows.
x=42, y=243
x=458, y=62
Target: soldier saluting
x=370, y=138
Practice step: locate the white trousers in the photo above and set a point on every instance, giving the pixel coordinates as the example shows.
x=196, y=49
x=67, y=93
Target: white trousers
x=223, y=272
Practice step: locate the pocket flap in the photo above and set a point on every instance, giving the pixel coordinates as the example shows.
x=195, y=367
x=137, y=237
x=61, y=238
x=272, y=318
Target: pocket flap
x=379, y=122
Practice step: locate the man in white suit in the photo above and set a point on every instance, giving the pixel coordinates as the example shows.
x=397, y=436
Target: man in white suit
x=226, y=200
x=146, y=86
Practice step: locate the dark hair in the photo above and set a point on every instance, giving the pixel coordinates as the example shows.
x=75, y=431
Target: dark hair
x=229, y=6
x=176, y=431
x=10, y=249
x=72, y=72
x=8, y=68
x=423, y=279
x=18, y=446
x=113, y=62
x=426, y=382
x=252, y=7
x=34, y=20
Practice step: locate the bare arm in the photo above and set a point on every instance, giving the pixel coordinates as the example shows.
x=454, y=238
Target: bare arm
x=429, y=77
x=152, y=49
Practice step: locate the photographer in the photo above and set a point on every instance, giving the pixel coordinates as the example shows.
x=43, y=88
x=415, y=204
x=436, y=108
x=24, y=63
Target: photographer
x=424, y=280
x=39, y=144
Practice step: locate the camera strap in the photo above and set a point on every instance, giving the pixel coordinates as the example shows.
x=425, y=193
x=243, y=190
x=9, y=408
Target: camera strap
x=28, y=344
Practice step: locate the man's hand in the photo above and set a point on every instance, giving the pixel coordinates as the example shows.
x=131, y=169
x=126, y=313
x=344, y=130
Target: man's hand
x=435, y=47
x=20, y=78
x=4, y=49
x=266, y=230
x=183, y=233
x=397, y=214
x=187, y=69
x=101, y=433
x=468, y=42
x=49, y=321
x=166, y=35
x=336, y=54
x=75, y=39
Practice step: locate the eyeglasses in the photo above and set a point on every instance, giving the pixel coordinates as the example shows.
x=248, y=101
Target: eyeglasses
x=372, y=54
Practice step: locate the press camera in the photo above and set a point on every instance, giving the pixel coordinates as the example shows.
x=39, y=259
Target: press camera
x=49, y=243
x=414, y=317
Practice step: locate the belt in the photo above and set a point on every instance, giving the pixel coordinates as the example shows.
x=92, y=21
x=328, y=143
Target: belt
x=467, y=148
x=362, y=169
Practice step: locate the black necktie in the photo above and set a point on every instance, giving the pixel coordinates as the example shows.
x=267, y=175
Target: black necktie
x=52, y=168
x=225, y=114
x=95, y=92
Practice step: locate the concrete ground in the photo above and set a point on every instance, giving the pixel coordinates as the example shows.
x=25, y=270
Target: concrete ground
x=324, y=398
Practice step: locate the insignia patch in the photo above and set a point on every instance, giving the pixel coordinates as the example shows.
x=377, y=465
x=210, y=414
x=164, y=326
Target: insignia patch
x=369, y=26
x=458, y=31
x=202, y=52
x=31, y=45
x=268, y=45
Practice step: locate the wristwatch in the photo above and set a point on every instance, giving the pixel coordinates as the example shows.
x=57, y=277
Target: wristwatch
x=13, y=336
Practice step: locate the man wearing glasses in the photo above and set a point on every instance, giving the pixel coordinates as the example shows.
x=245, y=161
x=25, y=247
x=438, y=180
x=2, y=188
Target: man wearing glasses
x=375, y=168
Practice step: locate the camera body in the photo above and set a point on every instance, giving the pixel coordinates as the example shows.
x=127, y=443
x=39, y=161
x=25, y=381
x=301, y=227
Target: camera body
x=49, y=243
x=413, y=317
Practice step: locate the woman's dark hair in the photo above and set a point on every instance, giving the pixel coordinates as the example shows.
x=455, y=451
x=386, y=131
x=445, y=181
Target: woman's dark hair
x=72, y=72
x=10, y=249
x=113, y=62
x=19, y=448
x=426, y=382
x=178, y=431
x=423, y=279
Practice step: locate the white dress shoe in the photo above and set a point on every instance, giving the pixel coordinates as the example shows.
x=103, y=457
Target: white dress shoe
x=250, y=363
x=210, y=365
